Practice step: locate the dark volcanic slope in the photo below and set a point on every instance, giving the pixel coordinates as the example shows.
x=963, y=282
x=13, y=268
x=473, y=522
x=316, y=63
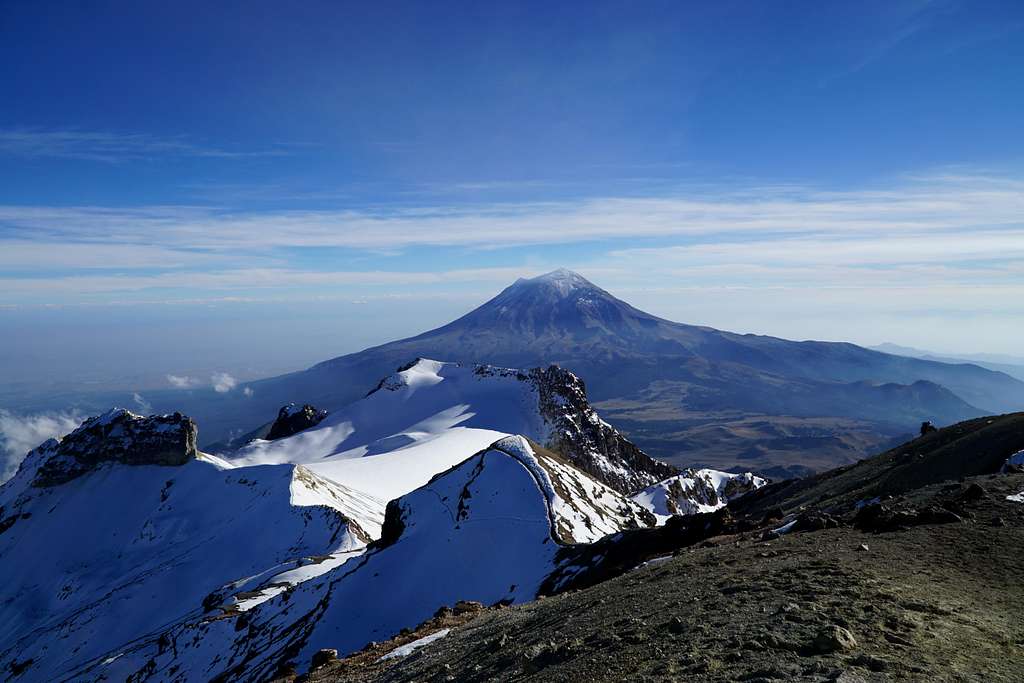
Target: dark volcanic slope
x=975, y=447
x=931, y=603
x=663, y=381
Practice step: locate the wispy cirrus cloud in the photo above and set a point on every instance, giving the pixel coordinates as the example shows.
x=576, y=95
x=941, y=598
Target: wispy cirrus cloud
x=939, y=227
x=919, y=204
x=111, y=147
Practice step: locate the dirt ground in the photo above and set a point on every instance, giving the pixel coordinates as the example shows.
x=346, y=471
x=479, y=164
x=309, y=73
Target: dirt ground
x=941, y=602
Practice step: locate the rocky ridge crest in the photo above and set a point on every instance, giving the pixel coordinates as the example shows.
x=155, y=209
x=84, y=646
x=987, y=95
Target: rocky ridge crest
x=115, y=436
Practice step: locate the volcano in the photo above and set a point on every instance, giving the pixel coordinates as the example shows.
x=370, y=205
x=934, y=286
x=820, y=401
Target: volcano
x=691, y=395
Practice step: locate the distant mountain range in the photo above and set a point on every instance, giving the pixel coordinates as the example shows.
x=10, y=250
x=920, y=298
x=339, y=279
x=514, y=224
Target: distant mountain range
x=1011, y=365
x=689, y=395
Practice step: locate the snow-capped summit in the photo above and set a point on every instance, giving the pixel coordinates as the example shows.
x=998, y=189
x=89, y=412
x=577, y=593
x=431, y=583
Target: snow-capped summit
x=559, y=304
x=564, y=281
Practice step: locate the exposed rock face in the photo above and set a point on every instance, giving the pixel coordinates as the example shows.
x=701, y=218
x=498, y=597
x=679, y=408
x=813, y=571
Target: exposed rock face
x=583, y=438
x=115, y=436
x=292, y=419
x=694, y=491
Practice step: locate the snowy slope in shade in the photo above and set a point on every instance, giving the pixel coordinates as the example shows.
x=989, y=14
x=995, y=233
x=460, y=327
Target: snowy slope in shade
x=695, y=491
x=433, y=415
x=489, y=529
x=120, y=552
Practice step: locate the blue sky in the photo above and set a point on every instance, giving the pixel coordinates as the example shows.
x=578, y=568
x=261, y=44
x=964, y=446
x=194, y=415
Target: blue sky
x=184, y=185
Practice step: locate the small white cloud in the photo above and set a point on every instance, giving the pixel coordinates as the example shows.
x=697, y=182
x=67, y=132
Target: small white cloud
x=182, y=381
x=21, y=433
x=223, y=382
x=248, y=392
x=145, y=406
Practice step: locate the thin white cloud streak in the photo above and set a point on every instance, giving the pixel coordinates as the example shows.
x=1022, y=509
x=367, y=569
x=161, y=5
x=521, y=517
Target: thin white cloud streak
x=931, y=204
x=109, y=147
x=252, y=279
x=145, y=406
x=1004, y=246
x=21, y=433
x=24, y=254
x=961, y=228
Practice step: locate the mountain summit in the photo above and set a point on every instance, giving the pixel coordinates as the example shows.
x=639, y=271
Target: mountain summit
x=549, y=309
x=691, y=395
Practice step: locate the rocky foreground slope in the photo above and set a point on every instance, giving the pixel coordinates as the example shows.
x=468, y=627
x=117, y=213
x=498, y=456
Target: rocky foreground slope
x=925, y=583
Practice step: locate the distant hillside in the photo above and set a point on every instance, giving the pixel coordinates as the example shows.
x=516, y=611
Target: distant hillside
x=1010, y=365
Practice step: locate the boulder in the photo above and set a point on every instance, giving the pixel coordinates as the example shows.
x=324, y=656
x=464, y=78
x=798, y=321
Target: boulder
x=292, y=419
x=323, y=657
x=813, y=520
x=833, y=639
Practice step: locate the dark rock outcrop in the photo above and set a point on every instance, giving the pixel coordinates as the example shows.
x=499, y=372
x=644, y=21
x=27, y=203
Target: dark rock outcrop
x=292, y=419
x=585, y=565
x=583, y=438
x=589, y=442
x=880, y=518
x=116, y=436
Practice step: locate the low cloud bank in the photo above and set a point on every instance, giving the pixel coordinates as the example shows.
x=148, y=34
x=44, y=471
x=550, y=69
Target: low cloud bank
x=222, y=382
x=183, y=381
x=21, y=433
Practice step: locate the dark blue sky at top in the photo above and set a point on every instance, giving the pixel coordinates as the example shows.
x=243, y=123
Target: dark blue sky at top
x=377, y=100
x=183, y=185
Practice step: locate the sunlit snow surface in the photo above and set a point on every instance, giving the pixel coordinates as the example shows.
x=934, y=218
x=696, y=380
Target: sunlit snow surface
x=409, y=648
x=421, y=421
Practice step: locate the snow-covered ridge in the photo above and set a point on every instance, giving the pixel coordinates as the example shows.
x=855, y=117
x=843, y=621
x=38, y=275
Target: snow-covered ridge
x=695, y=491
x=133, y=567
x=488, y=529
x=116, y=554
x=431, y=415
x=581, y=510
x=428, y=404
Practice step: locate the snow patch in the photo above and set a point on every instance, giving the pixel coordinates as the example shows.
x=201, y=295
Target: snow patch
x=696, y=491
x=409, y=648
